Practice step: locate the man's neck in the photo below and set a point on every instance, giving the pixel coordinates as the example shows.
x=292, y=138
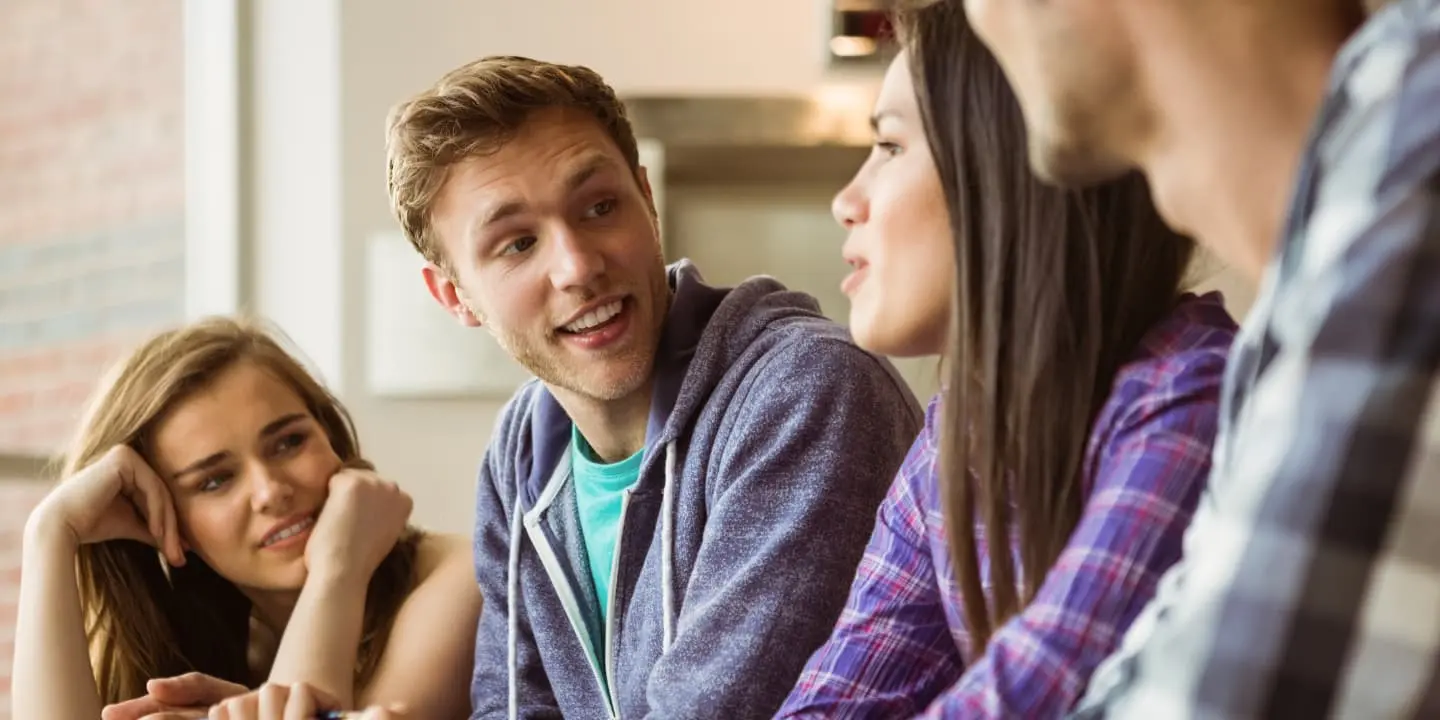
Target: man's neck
x=614, y=429
x=1234, y=101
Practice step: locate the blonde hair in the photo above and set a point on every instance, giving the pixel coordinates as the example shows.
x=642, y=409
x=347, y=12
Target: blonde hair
x=143, y=622
x=473, y=111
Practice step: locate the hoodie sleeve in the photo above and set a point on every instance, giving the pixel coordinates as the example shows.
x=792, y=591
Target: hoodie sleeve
x=489, y=683
x=813, y=439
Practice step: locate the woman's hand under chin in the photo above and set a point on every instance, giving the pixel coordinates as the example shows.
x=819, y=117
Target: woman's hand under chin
x=361, y=521
x=359, y=524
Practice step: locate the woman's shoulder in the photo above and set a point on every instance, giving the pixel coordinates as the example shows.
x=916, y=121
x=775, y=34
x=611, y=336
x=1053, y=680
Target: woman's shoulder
x=435, y=550
x=1196, y=324
x=915, y=490
x=1171, y=387
x=1182, y=358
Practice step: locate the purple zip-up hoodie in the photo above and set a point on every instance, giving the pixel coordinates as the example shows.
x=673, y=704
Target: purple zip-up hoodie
x=772, y=440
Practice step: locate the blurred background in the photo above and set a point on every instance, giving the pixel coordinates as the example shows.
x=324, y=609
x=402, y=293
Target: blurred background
x=166, y=159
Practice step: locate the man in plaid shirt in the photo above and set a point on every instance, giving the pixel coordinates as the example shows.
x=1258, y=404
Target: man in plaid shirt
x=1311, y=580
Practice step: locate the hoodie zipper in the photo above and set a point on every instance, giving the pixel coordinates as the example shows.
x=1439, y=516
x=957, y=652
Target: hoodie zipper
x=611, y=615
x=570, y=604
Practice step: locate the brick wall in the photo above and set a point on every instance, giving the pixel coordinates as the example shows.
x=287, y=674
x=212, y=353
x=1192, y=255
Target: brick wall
x=91, y=198
x=91, y=220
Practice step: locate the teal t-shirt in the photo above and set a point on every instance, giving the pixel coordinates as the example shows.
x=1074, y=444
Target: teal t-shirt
x=600, y=490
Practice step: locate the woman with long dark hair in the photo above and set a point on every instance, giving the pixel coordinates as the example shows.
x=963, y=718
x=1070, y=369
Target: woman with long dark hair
x=1066, y=452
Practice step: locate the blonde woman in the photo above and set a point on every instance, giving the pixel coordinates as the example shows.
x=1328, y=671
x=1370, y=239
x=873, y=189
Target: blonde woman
x=216, y=516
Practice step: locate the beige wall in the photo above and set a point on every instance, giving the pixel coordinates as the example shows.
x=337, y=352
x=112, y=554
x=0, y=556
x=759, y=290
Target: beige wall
x=640, y=46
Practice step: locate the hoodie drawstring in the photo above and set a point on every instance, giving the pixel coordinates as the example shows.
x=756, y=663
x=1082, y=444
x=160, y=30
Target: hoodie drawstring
x=512, y=604
x=667, y=577
x=667, y=551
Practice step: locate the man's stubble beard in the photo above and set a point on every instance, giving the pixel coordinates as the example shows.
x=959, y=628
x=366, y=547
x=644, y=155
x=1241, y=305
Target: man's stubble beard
x=550, y=366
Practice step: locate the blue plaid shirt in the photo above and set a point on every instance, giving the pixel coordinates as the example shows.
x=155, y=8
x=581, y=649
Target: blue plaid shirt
x=1310, y=586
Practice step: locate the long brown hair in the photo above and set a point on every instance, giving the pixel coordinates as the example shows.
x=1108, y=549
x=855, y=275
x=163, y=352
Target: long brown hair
x=1054, y=290
x=145, y=620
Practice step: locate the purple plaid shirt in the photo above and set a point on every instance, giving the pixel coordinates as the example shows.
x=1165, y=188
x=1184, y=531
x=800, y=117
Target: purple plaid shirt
x=899, y=647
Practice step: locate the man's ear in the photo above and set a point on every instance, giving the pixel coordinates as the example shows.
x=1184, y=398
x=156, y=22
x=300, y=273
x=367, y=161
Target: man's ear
x=447, y=293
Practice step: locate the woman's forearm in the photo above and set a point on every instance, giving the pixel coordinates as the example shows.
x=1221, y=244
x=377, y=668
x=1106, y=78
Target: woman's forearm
x=321, y=640
x=51, y=674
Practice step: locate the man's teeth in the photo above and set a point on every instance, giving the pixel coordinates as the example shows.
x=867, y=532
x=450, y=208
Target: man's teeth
x=295, y=529
x=595, y=317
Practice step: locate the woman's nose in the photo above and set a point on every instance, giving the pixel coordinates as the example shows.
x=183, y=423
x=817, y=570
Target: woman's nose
x=849, y=206
x=272, y=492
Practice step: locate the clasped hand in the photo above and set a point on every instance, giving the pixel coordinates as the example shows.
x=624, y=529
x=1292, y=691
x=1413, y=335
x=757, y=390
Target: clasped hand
x=195, y=696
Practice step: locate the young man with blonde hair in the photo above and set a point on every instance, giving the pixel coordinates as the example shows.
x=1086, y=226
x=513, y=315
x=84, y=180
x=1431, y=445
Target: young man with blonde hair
x=670, y=515
x=1299, y=140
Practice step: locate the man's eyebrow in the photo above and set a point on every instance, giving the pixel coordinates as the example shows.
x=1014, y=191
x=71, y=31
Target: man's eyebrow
x=500, y=212
x=585, y=170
